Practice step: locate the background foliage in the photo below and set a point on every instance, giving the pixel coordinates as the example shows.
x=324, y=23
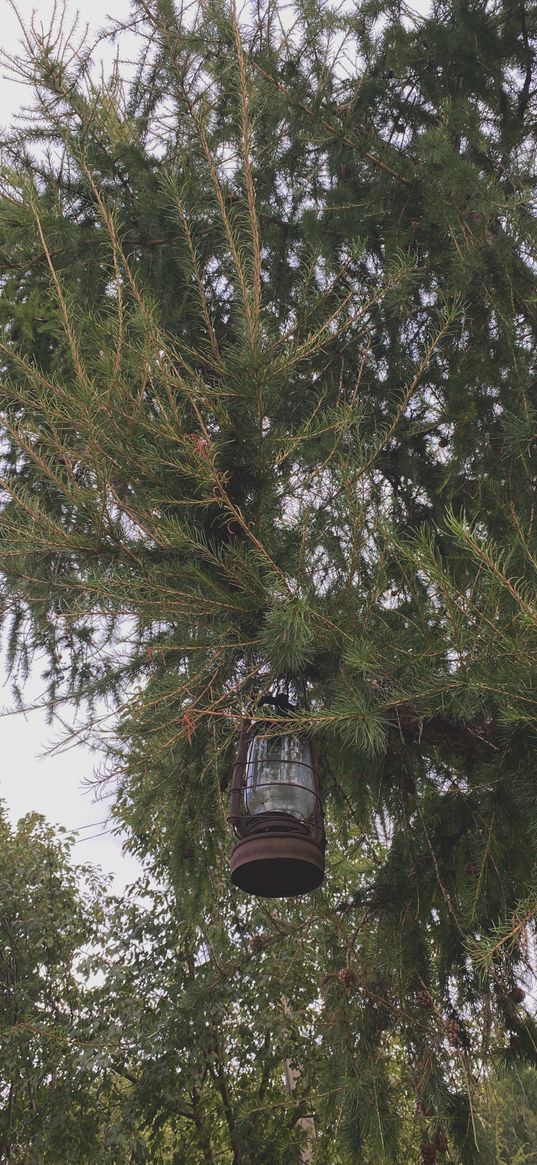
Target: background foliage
x=268, y=397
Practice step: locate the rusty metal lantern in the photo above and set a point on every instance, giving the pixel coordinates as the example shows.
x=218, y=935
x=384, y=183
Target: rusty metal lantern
x=276, y=809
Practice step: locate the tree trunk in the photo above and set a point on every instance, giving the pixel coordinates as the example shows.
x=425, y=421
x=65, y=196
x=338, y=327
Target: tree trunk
x=292, y=1075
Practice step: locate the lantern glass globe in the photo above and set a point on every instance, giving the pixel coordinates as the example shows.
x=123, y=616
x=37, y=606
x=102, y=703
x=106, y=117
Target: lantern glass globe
x=279, y=777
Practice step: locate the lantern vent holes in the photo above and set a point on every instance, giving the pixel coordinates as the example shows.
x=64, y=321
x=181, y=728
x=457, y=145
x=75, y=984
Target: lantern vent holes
x=282, y=822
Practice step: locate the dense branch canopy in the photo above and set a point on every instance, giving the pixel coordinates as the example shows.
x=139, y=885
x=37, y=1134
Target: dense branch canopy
x=268, y=396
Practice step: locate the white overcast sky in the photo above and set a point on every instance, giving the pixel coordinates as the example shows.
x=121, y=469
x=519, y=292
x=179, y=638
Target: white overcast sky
x=56, y=786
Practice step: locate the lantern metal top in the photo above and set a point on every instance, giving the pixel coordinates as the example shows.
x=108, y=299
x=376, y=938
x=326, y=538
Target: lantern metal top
x=278, y=854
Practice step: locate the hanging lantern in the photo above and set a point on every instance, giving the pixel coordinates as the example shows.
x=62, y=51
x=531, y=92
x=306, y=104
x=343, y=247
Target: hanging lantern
x=276, y=810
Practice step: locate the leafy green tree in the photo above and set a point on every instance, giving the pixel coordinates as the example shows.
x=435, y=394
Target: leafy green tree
x=268, y=399
x=130, y=1033
x=48, y=1110
x=510, y=1117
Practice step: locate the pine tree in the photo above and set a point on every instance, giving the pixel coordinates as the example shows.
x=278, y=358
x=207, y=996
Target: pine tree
x=269, y=404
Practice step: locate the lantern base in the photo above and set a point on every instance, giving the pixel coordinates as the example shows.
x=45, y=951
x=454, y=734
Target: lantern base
x=277, y=865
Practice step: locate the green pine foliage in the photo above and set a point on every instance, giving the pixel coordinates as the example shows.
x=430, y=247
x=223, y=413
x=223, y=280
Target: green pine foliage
x=268, y=397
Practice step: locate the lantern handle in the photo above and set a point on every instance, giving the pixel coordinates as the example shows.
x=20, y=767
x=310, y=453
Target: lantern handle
x=237, y=777
x=319, y=829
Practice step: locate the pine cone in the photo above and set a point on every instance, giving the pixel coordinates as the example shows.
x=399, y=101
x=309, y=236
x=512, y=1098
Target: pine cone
x=424, y=999
x=257, y=943
x=453, y=1029
x=428, y=1152
x=518, y=995
x=346, y=976
x=441, y=1143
